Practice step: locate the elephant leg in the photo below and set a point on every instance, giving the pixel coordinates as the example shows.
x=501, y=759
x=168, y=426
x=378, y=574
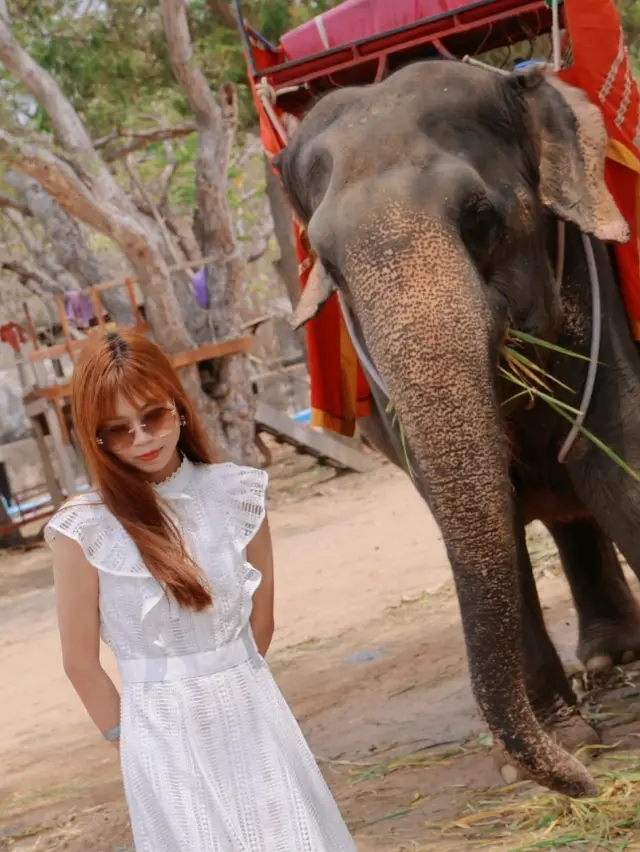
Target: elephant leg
x=608, y=614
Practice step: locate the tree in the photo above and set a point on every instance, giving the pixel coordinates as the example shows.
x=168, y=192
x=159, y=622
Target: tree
x=81, y=182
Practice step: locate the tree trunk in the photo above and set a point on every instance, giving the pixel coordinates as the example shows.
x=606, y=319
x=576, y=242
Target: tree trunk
x=69, y=245
x=85, y=189
x=214, y=230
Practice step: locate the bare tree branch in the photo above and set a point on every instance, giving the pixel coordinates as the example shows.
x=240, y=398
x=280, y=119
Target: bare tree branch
x=26, y=237
x=58, y=178
x=27, y=273
x=261, y=248
x=140, y=139
x=213, y=225
x=133, y=174
x=167, y=176
x=7, y=201
x=223, y=10
x=190, y=77
x=68, y=127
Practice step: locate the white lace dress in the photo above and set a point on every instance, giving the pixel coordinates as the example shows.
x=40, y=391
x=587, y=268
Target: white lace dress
x=212, y=758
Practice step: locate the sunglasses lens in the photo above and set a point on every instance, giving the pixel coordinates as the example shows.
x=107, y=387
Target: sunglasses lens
x=155, y=422
x=158, y=421
x=116, y=438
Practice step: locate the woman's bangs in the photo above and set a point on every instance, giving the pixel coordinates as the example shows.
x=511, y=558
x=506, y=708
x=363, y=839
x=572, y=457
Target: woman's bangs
x=135, y=383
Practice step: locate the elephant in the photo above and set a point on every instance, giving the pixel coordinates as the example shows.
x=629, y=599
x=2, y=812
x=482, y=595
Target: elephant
x=431, y=201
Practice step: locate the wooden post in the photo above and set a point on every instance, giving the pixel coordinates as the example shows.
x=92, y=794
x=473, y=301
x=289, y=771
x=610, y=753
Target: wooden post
x=49, y=473
x=30, y=326
x=134, y=304
x=66, y=468
x=64, y=325
x=97, y=307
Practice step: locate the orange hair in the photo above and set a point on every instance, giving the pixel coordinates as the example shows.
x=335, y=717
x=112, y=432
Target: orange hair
x=128, y=363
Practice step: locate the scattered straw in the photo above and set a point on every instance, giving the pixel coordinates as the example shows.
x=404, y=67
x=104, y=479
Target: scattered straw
x=518, y=822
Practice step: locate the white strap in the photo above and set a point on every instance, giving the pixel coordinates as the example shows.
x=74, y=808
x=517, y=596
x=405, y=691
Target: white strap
x=323, y=33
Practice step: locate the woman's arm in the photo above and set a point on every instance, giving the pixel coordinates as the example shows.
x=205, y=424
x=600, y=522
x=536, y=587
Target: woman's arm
x=260, y=555
x=76, y=585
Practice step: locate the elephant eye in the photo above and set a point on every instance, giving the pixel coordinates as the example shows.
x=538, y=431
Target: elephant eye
x=481, y=225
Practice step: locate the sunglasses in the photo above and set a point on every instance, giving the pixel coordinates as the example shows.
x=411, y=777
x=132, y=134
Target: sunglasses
x=155, y=422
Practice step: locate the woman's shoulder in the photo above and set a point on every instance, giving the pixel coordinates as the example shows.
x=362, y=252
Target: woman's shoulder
x=77, y=517
x=240, y=492
x=233, y=478
x=86, y=520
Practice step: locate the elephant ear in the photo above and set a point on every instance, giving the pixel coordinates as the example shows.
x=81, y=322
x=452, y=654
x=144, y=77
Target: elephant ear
x=573, y=148
x=317, y=290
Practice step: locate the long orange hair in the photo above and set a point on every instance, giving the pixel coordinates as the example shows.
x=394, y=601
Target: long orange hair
x=128, y=363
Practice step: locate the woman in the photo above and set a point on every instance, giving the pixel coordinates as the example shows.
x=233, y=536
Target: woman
x=171, y=557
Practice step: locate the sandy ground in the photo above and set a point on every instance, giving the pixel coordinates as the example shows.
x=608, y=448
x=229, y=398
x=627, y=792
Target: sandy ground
x=368, y=651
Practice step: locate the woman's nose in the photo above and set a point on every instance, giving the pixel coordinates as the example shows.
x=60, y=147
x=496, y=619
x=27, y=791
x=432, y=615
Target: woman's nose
x=140, y=435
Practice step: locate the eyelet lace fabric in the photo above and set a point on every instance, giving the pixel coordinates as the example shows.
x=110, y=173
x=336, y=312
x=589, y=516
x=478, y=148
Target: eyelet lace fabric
x=212, y=757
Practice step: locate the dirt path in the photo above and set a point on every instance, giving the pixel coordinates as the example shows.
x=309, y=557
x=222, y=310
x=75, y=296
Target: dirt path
x=368, y=651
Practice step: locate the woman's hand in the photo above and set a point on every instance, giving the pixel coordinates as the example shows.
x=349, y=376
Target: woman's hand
x=76, y=586
x=260, y=555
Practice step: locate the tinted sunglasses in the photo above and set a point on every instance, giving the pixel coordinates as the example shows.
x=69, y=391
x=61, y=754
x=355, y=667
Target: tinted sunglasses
x=155, y=422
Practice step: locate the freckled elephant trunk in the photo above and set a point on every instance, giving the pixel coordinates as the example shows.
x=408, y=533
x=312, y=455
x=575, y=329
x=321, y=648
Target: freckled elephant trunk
x=428, y=328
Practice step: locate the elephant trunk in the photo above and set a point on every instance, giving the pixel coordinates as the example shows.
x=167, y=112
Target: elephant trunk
x=428, y=325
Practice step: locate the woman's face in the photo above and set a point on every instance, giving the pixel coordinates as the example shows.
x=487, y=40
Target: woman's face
x=144, y=435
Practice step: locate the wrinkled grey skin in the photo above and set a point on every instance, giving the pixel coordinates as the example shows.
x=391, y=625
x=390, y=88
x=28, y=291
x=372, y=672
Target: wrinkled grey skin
x=430, y=200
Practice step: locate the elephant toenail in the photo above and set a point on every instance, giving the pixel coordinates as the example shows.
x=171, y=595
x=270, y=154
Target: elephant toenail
x=510, y=773
x=599, y=663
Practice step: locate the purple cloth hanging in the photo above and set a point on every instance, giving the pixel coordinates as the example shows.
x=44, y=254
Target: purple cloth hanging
x=78, y=308
x=199, y=283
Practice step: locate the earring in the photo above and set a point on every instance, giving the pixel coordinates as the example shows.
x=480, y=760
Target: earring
x=183, y=420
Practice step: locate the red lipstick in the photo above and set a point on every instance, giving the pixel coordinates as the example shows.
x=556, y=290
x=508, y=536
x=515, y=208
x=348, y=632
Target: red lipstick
x=147, y=457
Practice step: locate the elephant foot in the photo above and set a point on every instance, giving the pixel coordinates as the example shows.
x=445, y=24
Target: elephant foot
x=604, y=644
x=572, y=732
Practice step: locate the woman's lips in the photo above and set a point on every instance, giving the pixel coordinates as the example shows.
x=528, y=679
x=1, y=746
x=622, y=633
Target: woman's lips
x=149, y=456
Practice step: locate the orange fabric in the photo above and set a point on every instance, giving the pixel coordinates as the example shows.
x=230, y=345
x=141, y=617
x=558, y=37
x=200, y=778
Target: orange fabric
x=601, y=68
x=339, y=390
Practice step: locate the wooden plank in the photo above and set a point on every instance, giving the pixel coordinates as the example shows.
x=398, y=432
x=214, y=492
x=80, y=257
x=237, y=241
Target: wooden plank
x=16, y=525
x=45, y=457
x=322, y=445
x=54, y=392
x=134, y=305
x=180, y=359
x=59, y=349
x=32, y=329
x=64, y=324
x=176, y=267
x=211, y=350
x=97, y=307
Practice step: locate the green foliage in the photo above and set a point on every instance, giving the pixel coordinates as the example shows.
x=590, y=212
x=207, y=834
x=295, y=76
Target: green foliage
x=630, y=17
x=110, y=56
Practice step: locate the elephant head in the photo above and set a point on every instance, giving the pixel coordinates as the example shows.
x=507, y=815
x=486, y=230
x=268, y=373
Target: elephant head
x=427, y=200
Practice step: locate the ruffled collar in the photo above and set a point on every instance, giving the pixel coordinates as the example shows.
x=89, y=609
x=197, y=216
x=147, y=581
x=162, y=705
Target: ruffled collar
x=173, y=487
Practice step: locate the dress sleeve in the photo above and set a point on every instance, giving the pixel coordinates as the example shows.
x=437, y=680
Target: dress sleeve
x=102, y=538
x=244, y=491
